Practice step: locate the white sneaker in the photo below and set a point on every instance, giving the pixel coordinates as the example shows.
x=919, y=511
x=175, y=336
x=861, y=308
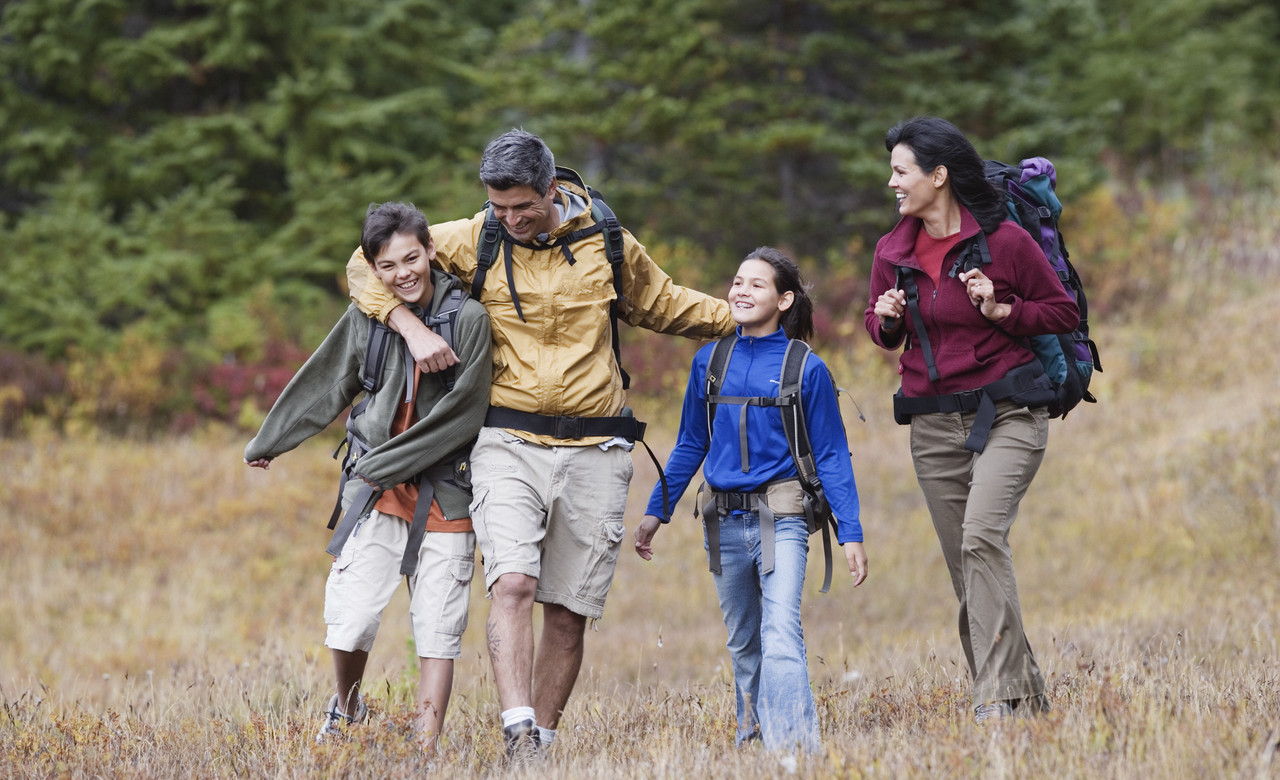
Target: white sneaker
x=992, y=711
x=524, y=744
x=334, y=719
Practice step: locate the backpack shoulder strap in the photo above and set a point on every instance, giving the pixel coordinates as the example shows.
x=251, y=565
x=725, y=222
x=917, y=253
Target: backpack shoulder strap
x=375, y=356
x=907, y=283
x=486, y=250
x=790, y=385
x=715, y=375
x=817, y=510
x=444, y=323
x=607, y=223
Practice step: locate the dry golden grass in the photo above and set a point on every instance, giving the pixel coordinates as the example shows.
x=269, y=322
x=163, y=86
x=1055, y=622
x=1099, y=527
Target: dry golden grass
x=160, y=609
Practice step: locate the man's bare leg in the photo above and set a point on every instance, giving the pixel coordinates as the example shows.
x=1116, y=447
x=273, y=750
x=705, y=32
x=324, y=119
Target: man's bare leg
x=558, y=663
x=509, y=632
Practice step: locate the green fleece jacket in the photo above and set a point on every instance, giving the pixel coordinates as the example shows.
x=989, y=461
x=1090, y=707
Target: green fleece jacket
x=448, y=421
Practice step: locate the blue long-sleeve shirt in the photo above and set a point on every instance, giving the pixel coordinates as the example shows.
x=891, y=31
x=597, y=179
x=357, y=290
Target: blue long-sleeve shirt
x=754, y=369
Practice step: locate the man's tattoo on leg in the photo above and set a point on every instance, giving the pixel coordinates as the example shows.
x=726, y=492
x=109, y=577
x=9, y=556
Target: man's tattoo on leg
x=495, y=641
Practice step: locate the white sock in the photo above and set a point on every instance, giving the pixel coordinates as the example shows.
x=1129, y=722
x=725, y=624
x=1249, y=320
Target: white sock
x=517, y=715
x=546, y=736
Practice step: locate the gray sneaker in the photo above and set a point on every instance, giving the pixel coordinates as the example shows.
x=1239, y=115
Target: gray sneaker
x=524, y=744
x=992, y=710
x=334, y=719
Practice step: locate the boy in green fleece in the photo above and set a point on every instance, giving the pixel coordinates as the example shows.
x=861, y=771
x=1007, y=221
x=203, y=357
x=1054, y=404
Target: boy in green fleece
x=406, y=488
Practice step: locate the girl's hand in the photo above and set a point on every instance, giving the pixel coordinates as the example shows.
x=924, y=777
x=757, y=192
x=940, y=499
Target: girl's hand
x=889, y=308
x=982, y=294
x=644, y=536
x=857, y=558
x=260, y=463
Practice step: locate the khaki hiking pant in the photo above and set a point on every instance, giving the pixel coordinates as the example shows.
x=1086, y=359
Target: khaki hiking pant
x=973, y=499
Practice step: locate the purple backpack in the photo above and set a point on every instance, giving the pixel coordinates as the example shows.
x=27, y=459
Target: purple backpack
x=1071, y=358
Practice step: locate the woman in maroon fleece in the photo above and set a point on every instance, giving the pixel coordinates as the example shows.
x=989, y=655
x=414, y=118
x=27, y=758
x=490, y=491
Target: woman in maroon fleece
x=972, y=390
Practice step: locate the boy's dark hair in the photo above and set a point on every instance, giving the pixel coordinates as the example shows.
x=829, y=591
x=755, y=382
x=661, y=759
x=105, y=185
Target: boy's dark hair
x=936, y=142
x=384, y=220
x=796, y=321
x=518, y=158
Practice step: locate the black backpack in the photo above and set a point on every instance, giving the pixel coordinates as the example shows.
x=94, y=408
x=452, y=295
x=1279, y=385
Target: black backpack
x=493, y=234
x=817, y=510
x=444, y=323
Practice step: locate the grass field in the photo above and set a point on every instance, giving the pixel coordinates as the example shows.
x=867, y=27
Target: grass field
x=160, y=614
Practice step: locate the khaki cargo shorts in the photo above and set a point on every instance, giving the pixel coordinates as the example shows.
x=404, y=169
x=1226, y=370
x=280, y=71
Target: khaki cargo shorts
x=553, y=513
x=364, y=578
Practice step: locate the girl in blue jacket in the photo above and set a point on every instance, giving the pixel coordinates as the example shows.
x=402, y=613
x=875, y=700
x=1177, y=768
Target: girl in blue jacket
x=761, y=605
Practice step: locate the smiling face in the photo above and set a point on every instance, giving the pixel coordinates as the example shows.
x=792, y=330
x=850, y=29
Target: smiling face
x=754, y=301
x=404, y=266
x=524, y=212
x=916, y=190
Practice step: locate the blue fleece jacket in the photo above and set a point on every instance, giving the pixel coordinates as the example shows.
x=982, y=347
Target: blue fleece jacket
x=754, y=370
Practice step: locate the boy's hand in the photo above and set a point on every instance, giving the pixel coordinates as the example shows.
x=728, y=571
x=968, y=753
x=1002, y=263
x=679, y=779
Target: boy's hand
x=260, y=463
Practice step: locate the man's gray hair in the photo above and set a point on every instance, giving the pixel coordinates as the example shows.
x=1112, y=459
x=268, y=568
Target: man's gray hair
x=518, y=158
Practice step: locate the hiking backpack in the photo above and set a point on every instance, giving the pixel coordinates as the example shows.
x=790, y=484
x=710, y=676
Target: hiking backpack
x=1069, y=359
x=444, y=323
x=493, y=234
x=817, y=510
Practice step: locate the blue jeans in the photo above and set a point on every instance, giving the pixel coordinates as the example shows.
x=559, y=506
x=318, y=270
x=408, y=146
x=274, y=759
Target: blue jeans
x=766, y=641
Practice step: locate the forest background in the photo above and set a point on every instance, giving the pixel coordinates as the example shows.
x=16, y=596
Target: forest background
x=182, y=182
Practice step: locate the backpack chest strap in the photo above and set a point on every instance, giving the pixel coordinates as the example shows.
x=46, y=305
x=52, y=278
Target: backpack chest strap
x=760, y=400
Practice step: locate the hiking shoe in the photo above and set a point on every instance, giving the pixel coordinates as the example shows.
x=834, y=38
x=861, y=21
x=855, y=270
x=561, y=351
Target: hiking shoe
x=992, y=710
x=523, y=742
x=335, y=719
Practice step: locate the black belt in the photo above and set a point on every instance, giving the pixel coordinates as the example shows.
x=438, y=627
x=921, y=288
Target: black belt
x=1026, y=386
x=625, y=426
x=563, y=427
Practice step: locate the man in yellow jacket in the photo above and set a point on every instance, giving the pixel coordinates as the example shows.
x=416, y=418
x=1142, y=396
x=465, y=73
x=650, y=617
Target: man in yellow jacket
x=551, y=467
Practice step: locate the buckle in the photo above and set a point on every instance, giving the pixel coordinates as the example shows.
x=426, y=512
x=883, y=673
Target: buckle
x=967, y=401
x=735, y=502
x=567, y=428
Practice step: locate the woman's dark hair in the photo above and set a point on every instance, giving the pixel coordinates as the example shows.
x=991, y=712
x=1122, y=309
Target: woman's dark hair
x=796, y=321
x=384, y=220
x=937, y=142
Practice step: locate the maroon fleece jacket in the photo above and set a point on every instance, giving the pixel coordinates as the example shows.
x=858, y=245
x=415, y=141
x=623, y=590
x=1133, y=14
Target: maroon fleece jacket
x=969, y=350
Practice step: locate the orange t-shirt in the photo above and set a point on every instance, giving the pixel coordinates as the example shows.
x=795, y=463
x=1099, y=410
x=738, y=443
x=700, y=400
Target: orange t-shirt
x=402, y=499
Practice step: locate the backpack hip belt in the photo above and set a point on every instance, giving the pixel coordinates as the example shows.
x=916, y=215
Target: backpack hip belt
x=625, y=426
x=565, y=427
x=362, y=503
x=1025, y=385
x=780, y=498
